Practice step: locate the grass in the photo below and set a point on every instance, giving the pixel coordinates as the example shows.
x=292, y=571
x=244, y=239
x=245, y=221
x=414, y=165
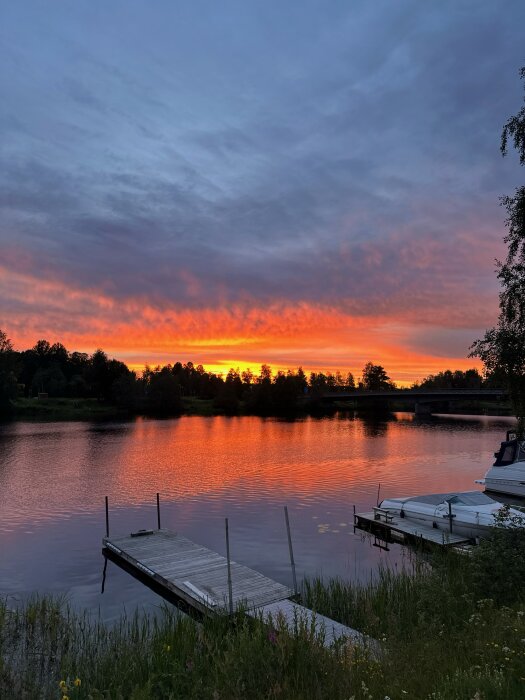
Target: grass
x=198, y=407
x=441, y=636
x=441, y=641
x=64, y=409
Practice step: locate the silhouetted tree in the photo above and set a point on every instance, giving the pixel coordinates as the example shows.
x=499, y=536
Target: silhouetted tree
x=5, y=343
x=50, y=379
x=260, y=398
x=247, y=377
x=126, y=392
x=42, y=349
x=318, y=383
x=102, y=372
x=227, y=400
x=8, y=381
x=502, y=349
x=301, y=381
x=285, y=394
x=375, y=378
x=470, y=379
x=162, y=391
x=234, y=383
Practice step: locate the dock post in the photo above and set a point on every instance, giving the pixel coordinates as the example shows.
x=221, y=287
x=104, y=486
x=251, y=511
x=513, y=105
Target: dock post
x=292, y=562
x=230, y=592
x=450, y=515
x=354, y=517
x=107, y=517
x=104, y=575
x=158, y=512
x=378, y=490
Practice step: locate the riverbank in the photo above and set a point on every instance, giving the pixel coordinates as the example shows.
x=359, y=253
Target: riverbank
x=64, y=409
x=451, y=631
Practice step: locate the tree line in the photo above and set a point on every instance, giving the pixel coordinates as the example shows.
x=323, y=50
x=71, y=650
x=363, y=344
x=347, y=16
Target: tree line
x=502, y=348
x=51, y=370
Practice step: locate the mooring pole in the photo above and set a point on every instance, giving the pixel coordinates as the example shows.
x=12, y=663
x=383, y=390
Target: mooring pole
x=378, y=490
x=450, y=516
x=158, y=512
x=107, y=517
x=104, y=574
x=292, y=562
x=230, y=592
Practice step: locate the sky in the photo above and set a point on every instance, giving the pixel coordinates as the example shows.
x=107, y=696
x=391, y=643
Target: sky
x=309, y=183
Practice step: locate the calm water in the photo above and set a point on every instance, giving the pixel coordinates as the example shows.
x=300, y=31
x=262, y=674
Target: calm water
x=54, y=476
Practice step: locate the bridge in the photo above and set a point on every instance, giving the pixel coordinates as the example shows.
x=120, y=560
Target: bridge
x=422, y=398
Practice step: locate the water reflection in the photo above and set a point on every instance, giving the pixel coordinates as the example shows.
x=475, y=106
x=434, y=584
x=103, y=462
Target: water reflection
x=54, y=477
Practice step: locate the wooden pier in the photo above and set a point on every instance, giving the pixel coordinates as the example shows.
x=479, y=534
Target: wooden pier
x=392, y=528
x=204, y=581
x=193, y=573
x=295, y=616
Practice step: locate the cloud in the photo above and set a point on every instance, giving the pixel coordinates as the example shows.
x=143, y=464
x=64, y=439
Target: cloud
x=244, y=165
x=283, y=334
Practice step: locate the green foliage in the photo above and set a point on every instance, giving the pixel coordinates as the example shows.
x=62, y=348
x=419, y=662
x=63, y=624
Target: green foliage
x=515, y=128
x=498, y=567
x=65, y=409
x=502, y=349
x=5, y=344
x=8, y=383
x=441, y=637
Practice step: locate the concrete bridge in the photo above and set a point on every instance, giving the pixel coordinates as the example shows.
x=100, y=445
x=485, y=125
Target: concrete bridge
x=423, y=399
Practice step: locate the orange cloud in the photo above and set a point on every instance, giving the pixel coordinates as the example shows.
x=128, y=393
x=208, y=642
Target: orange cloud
x=282, y=334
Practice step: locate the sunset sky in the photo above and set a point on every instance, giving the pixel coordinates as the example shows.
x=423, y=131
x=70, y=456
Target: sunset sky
x=308, y=183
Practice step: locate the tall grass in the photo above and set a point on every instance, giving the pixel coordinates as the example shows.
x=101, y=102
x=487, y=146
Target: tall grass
x=441, y=638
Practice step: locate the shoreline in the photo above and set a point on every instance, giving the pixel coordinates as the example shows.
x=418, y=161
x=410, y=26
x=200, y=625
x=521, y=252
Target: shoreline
x=65, y=409
x=453, y=630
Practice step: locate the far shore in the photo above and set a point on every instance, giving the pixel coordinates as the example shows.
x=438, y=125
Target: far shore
x=67, y=409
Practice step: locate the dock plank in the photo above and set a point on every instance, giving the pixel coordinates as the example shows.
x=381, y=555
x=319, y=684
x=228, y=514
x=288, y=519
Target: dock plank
x=174, y=559
x=296, y=617
x=415, y=530
x=198, y=576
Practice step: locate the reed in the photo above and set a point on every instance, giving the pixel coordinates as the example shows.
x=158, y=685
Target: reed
x=440, y=639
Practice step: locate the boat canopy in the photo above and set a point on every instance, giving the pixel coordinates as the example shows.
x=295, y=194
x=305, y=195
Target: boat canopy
x=468, y=498
x=510, y=451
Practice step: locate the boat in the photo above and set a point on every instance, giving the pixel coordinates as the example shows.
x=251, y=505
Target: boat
x=470, y=513
x=507, y=474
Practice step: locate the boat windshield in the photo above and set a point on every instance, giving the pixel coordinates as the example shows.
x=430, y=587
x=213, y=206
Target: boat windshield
x=509, y=452
x=465, y=498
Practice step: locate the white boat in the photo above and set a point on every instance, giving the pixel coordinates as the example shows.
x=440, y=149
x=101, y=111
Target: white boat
x=471, y=513
x=507, y=474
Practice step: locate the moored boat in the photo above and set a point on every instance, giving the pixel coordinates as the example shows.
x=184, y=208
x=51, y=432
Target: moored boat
x=470, y=513
x=507, y=474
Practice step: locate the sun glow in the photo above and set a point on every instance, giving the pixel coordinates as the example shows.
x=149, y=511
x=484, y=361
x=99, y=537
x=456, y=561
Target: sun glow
x=282, y=335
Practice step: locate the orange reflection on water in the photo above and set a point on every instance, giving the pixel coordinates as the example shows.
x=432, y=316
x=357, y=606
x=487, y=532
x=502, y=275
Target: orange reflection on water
x=227, y=461
x=249, y=457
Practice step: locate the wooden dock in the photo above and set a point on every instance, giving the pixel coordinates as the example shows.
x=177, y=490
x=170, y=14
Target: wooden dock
x=194, y=573
x=295, y=617
x=406, y=531
x=181, y=570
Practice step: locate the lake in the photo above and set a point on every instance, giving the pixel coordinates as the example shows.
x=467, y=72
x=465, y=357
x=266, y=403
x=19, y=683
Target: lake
x=54, y=477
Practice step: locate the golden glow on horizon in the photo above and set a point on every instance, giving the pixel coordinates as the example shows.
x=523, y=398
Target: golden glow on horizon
x=281, y=334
